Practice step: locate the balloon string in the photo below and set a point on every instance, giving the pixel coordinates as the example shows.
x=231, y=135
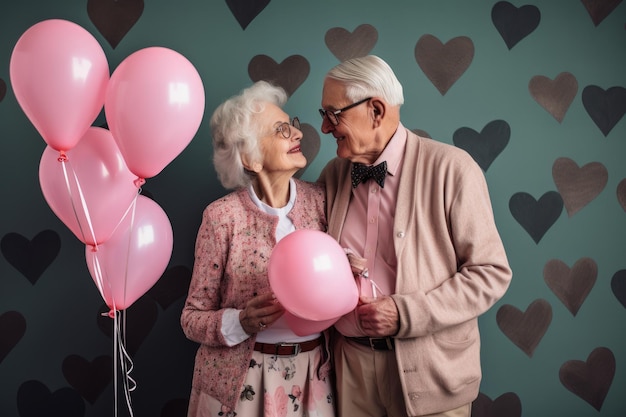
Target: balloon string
x=132, y=207
x=65, y=163
x=125, y=361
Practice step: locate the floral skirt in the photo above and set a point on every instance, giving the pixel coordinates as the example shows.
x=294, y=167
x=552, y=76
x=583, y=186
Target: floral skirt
x=276, y=386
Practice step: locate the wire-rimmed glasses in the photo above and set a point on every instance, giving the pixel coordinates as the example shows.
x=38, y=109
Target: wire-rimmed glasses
x=285, y=128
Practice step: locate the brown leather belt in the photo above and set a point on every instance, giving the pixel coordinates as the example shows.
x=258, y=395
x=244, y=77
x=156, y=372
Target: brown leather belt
x=287, y=349
x=376, y=343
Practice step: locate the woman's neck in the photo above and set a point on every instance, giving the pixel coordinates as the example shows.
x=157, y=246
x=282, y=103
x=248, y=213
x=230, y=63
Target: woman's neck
x=272, y=190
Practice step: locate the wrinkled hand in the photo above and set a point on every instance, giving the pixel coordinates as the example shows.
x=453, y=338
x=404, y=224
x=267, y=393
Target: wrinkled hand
x=260, y=312
x=378, y=317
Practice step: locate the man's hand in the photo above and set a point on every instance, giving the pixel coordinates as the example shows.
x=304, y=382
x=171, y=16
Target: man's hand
x=378, y=317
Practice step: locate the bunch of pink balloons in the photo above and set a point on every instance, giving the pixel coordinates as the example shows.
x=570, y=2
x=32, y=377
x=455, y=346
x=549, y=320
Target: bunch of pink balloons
x=311, y=277
x=90, y=176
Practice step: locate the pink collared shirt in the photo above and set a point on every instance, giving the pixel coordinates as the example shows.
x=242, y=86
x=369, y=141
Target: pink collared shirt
x=368, y=229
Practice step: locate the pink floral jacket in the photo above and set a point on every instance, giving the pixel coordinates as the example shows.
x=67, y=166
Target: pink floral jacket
x=233, y=247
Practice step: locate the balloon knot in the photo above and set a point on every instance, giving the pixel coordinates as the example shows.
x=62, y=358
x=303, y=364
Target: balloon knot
x=62, y=156
x=139, y=182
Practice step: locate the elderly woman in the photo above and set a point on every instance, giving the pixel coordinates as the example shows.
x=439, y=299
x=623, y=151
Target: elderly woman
x=249, y=362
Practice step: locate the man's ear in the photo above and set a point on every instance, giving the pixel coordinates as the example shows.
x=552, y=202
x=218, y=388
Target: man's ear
x=378, y=108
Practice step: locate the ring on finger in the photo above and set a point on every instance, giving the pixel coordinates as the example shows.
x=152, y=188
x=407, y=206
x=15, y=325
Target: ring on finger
x=262, y=325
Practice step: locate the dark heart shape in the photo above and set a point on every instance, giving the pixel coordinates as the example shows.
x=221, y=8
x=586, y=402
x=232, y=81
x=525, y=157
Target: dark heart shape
x=289, y=74
x=114, y=18
x=513, y=23
x=34, y=399
x=3, y=89
x=245, y=11
x=621, y=193
x=175, y=408
x=486, y=145
x=422, y=133
x=310, y=145
x=172, y=285
x=578, y=186
x=554, y=96
x=600, y=9
x=12, y=329
x=88, y=378
x=444, y=64
x=571, y=286
x=140, y=319
x=506, y=405
x=525, y=329
x=590, y=380
x=536, y=217
x=618, y=286
x=345, y=45
x=31, y=257
x=605, y=108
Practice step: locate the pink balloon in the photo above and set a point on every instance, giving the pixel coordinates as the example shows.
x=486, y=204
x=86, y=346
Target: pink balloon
x=127, y=265
x=154, y=106
x=304, y=327
x=59, y=74
x=101, y=187
x=310, y=274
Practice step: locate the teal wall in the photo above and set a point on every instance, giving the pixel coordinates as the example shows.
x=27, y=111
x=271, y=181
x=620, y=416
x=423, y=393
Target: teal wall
x=539, y=358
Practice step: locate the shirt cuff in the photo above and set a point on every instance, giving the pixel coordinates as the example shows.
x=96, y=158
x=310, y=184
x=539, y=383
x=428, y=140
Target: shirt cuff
x=231, y=329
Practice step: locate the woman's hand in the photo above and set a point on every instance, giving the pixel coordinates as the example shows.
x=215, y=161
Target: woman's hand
x=260, y=312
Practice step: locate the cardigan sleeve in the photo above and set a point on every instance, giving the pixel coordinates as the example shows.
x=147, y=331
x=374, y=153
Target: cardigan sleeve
x=201, y=317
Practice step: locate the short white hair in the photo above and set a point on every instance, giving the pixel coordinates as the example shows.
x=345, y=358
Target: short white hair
x=368, y=76
x=235, y=131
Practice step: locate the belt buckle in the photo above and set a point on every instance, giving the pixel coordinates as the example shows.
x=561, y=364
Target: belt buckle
x=386, y=339
x=296, y=349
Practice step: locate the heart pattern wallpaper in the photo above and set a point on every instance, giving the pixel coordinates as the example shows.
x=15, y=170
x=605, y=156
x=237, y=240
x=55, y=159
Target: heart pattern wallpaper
x=533, y=90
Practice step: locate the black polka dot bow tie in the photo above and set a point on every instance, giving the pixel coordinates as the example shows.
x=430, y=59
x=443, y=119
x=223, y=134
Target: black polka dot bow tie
x=361, y=173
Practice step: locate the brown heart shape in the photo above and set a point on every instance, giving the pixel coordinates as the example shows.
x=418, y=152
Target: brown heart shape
x=88, y=378
x=12, y=329
x=605, y=107
x=554, y=96
x=618, y=286
x=525, y=329
x=34, y=399
x=591, y=379
x=621, y=193
x=113, y=18
x=571, y=286
x=536, y=216
x=31, y=257
x=506, y=405
x=486, y=145
x=289, y=74
x=345, y=45
x=444, y=64
x=172, y=285
x=513, y=23
x=422, y=133
x=600, y=9
x=140, y=319
x=310, y=146
x=578, y=186
x=3, y=89
x=245, y=11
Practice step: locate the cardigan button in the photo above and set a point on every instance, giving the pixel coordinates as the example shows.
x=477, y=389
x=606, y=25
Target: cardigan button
x=400, y=234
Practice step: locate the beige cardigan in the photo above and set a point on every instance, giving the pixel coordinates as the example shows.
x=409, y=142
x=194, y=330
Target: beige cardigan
x=452, y=267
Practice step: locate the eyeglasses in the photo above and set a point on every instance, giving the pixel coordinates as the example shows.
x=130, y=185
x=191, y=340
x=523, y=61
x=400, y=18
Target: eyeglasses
x=285, y=128
x=331, y=115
